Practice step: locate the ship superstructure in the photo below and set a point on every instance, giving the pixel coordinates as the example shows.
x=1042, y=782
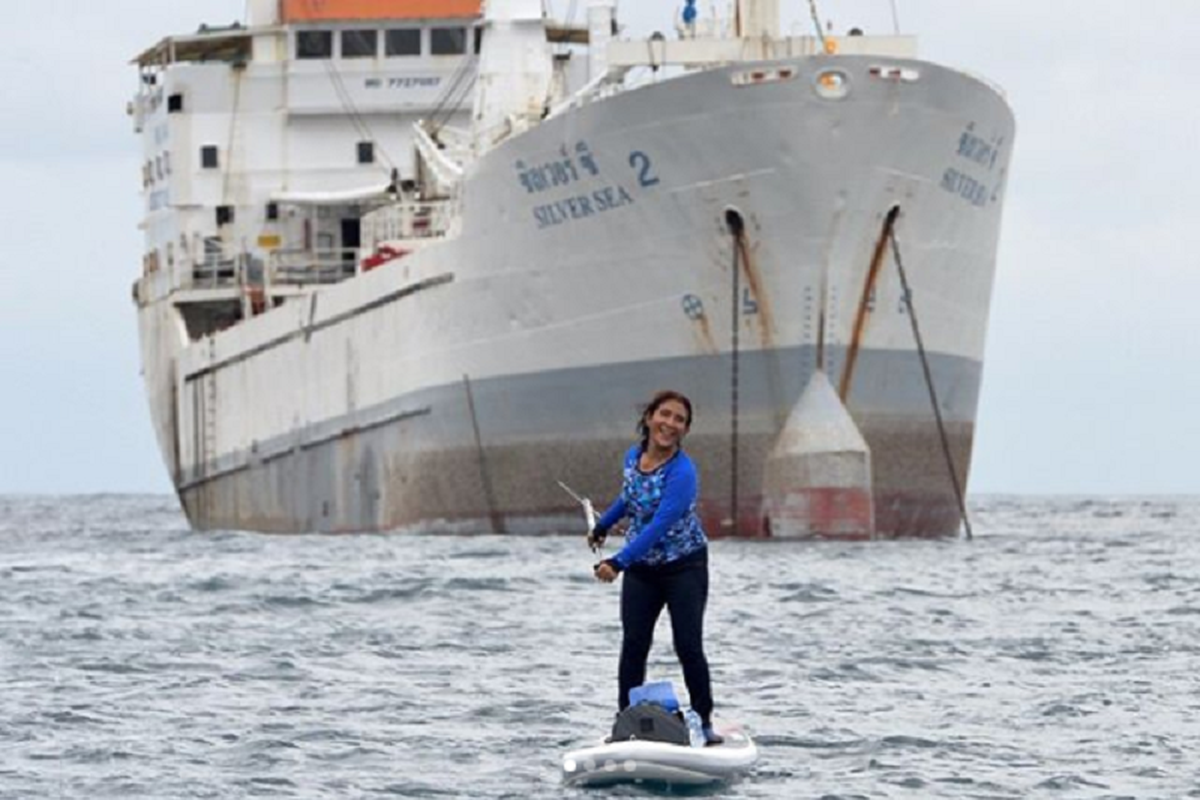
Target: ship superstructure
x=409, y=264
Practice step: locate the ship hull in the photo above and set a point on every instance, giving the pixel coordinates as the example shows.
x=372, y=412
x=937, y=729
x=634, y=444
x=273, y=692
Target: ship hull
x=485, y=456
x=450, y=391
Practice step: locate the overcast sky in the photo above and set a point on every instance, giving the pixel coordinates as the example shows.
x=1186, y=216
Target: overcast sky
x=1091, y=384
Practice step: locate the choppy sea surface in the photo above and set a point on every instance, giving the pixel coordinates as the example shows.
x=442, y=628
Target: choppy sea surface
x=1057, y=655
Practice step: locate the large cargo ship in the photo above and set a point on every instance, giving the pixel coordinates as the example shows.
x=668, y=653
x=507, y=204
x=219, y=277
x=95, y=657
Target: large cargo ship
x=410, y=263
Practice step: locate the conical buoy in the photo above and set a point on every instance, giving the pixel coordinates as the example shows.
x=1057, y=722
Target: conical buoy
x=817, y=481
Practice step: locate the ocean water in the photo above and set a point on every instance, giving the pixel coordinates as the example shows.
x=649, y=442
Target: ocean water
x=1057, y=655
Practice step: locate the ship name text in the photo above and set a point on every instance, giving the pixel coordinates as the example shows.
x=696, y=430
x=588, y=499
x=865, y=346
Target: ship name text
x=581, y=206
x=966, y=187
x=979, y=152
x=578, y=164
x=569, y=167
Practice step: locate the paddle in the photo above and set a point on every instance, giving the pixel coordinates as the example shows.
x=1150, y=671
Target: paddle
x=589, y=514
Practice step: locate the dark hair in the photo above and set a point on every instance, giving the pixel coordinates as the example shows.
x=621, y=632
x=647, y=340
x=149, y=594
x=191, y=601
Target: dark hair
x=656, y=401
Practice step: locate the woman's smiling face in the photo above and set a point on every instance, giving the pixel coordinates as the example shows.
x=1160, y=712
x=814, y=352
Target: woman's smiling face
x=668, y=424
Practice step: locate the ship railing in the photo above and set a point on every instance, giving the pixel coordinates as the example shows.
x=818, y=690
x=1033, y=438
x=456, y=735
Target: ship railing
x=446, y=171
x=602, y=86
x=303, y=267
x=295, y=267
x=406, y=221
x=216, y=270
x=456, y=144
x=225, y=272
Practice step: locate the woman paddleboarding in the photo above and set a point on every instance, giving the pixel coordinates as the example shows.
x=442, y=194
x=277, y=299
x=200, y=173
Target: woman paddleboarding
x=665, y=557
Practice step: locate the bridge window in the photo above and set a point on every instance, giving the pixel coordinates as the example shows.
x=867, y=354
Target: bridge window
x=403, y=42
x=208, y=157
x=314, y=44
x=366, y=152
x=360, y=44
x=448, y=41
x=174, y=103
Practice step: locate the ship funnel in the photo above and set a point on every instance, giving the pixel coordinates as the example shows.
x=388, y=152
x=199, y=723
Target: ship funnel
x=262, y=13
x=817, y=480
x=515, y=71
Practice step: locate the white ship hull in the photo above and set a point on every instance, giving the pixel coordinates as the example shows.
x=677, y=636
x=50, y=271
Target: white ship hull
x=450, y=390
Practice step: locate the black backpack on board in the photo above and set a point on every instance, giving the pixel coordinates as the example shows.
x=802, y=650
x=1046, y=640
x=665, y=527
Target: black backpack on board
x=650, y=722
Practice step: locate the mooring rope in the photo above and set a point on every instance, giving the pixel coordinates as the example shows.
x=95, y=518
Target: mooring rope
x=937, y=412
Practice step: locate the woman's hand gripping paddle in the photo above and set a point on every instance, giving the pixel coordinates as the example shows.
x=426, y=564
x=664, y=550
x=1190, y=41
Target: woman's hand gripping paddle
x=596, y=542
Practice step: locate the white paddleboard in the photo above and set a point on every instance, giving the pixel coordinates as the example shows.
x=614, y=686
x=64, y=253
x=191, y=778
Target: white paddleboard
x=636, y=761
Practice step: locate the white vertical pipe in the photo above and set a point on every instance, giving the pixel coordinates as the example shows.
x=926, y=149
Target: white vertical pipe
x=515, y=70
x=262, y=13
x=601, y=14
x=758, y=19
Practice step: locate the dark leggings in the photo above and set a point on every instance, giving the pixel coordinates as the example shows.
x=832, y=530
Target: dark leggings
x=684, y=591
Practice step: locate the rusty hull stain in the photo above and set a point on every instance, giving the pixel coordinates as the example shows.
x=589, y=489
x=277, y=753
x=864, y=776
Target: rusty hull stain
x=754, y=278
x=704, y=332
x=860, y=318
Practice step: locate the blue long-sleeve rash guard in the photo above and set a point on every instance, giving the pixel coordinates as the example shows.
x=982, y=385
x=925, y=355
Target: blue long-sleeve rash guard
x=661, y=506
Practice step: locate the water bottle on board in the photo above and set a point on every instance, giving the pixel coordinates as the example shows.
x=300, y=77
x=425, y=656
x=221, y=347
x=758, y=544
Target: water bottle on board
x=695, y=728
